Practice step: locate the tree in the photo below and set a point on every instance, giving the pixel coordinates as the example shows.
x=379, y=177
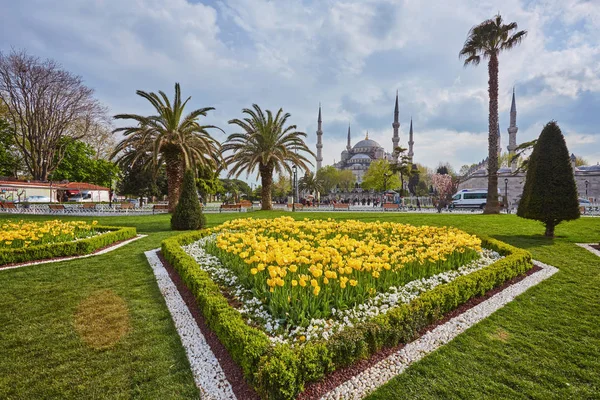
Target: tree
x=101, y=139
x=282, y=187
x=140, y=181
x=403, y=166
x=234, y=188
x=346, y=180
x=10, y=160
x=329, y=177
x=310, y=183
x=44, y=104
x=380, y=176
x=413, y=181
x=79, y=164
x=208, y=182
x=580, y=161
x=188, y=213
x=549, y=194
x=170, y=137
x=486, y=41
x=265, y=144
x=444, y=188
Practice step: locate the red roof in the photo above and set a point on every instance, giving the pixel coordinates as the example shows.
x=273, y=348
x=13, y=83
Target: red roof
x=57, y=185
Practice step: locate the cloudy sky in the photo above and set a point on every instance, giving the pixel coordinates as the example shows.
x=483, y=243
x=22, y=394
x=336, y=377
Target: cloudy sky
x=350, y=55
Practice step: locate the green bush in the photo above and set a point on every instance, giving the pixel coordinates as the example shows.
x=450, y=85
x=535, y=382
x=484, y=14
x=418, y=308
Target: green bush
x=188, y=212
x=67, y=249
x=550, y=193
x=280, y=372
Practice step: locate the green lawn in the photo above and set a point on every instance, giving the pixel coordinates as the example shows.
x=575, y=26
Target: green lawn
x=545, y=344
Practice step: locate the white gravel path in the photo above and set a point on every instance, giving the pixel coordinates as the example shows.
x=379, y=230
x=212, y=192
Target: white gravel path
x=588, y=246
x=366, y=382
x=207, y=371
x=103, y=251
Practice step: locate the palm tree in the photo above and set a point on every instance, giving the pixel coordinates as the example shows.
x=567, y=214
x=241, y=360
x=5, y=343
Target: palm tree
x=168, y=137
x=486, y=41
x=310, y=183
x=266, y=144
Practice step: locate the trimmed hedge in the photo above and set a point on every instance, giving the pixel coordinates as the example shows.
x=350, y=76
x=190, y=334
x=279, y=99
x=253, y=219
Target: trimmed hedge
x=280, y=372
x=66, y=249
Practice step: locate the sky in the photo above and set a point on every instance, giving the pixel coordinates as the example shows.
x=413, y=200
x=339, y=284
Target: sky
x=351, y=56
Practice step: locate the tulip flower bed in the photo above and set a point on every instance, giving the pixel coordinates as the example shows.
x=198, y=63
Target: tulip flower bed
x=294, y=300
x=25, y=241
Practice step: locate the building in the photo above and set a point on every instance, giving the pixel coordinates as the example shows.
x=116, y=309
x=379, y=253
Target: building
x=359, y=157
x=511, y=182
x=14, y=190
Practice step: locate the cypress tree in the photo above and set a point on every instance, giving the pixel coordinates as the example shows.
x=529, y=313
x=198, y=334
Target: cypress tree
x=549, y=194
x=188, y=213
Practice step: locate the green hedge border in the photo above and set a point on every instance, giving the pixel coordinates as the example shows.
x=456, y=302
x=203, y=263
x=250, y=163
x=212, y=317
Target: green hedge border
x=81, y=247
x=281, y=371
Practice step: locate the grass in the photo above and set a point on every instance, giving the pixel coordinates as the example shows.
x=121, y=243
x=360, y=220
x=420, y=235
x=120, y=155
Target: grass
x=545, y=344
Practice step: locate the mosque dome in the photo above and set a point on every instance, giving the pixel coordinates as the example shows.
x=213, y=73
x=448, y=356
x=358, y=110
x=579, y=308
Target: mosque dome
x=367, y=143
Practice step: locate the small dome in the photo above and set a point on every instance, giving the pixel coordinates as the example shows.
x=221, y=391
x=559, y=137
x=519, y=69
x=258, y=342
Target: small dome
x=589, y=168
x=504, y=170
x=360, y=157
x=481, y=171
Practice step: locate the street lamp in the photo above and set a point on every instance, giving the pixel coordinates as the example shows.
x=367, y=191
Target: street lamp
x=586, y=189
x=295, y=172
x=506, y=194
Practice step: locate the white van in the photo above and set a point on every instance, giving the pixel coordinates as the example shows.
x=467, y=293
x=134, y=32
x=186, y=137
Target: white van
x=474, y=198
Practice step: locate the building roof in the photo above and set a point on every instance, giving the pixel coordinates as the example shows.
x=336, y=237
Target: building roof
x=56, y=185
x=360, y=156
x=368, y=143
x=589, y=168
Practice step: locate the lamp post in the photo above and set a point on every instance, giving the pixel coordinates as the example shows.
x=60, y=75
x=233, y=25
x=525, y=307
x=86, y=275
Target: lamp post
x=506, y=194
x=295, y=171
x=586, y=189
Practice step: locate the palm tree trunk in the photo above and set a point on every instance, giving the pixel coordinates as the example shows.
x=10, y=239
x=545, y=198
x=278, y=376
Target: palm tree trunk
x=174, y=170
x=266, y=176
x=492, y=206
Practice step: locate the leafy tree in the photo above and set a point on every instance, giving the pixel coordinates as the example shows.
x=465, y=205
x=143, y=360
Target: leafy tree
x=188, y=213
x=10, y=161
x=208, y=182
x=170, y=137
x=310, y=183
x=444, y=189
x=403, y=166
x=549, y=194
x=140, y=181
x=346, y=180
x=580, y=161
x=265, y=144
x=486, y=41
x=235, y=188
x=380, y=176
x=329, y=177
x=79, y=164
x=282, y=187
x=413, y=181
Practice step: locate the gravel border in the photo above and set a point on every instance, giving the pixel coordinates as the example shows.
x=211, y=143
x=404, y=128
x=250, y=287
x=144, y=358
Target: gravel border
x=588, y=246
x=60, y=259
x=208, y=374
x=366, y=382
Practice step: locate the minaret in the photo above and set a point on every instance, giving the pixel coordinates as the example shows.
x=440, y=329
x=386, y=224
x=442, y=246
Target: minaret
x=410, y=143
x=499, y=142
x=396, y=125
x=319, y=142
x=348, y=146
x=512, y=133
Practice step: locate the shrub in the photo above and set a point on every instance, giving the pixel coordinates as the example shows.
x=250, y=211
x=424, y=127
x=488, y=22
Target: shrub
x=66, y=249
x=188, y=212
x=549, y=194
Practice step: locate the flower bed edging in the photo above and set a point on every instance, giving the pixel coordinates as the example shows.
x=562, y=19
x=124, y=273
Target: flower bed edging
x=588, y=246
x=208, y=374
x=104, y=250
x=367, y=381
x=281, y=371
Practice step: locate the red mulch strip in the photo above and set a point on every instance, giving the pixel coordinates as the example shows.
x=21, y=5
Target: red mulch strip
x=65, y=257
x=233, y=372
x=313, y=390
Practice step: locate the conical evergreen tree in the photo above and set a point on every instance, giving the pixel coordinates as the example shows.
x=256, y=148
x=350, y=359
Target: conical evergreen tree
x=549, y=194
x=188, y=213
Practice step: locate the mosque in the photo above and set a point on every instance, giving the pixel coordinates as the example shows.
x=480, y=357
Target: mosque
x=359, y=157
